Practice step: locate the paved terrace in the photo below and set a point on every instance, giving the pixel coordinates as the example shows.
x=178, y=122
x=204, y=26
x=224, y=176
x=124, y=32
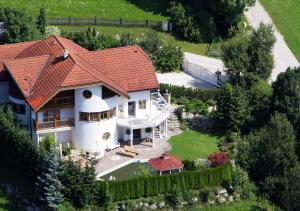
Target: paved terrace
x=112, y=159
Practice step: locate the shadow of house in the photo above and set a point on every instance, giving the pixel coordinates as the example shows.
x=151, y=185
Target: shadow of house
x=157, y=7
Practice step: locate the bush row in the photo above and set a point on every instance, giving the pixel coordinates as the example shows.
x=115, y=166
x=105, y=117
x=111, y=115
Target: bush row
x=191, y=93
x=152, y=186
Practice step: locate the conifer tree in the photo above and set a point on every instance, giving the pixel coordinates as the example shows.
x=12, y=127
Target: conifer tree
x=48, y=186
x=42, y=21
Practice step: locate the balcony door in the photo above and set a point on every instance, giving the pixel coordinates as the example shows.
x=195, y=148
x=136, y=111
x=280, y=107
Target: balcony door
x=131, y=108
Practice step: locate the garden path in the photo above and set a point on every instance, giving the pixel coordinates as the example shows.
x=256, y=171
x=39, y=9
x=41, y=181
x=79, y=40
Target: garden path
x=283, y=56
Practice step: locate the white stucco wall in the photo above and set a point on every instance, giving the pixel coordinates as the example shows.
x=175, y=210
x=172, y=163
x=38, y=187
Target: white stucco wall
x=4, y=88
x=136, y=96
x=24, y=118
x=88, y=135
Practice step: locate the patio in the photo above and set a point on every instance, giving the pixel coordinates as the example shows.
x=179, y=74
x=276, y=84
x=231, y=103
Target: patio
x=113, y=160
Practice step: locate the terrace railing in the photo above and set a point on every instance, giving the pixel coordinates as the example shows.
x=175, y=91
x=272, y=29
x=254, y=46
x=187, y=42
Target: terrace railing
x=54, y=124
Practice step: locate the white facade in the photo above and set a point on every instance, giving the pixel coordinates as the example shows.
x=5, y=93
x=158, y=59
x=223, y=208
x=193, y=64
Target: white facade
x=150, y=111
x=143, y=109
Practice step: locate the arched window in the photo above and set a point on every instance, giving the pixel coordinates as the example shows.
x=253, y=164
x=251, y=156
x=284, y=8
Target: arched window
x=87, y=94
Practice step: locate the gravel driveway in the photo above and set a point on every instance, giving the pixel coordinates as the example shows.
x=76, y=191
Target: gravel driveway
x=283, y=57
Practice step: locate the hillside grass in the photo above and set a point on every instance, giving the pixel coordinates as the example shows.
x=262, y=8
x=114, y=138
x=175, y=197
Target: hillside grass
x=126, y=9
x=197, y=48
x=286, y=16
x=191, y=145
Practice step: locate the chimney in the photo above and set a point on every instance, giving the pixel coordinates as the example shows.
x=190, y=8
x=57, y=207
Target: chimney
x=66, y=53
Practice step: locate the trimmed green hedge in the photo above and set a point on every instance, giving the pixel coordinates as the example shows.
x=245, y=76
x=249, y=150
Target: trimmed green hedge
x=191, y=93
x=152, y=186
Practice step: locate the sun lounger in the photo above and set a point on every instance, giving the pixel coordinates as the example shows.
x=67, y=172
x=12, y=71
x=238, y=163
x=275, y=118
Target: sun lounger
x=126, y=153
x=131, y=150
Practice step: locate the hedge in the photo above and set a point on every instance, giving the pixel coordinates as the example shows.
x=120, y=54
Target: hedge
x=191, y=93
x=152, y=186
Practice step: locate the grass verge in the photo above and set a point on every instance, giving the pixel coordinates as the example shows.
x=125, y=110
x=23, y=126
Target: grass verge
x=286, y=15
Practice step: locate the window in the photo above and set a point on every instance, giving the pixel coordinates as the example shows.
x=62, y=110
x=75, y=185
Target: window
x=97, y=116
x=120, y=108
x=84, y=116
x=48, y=116
x=18, y=108
x=142, y=104
x=94, y=116
x=106, y=136
x=107, y=93
x=87, y=94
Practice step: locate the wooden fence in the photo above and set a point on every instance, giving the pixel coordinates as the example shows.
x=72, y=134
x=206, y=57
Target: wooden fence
x=104, y=22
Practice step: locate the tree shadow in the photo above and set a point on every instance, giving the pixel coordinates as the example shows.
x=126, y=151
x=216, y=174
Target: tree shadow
x=157, y=7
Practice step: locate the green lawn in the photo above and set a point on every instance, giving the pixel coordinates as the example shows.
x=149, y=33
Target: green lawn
x=246, y=205
x=127, y=9
x=192, y=144
x=199, y=48
x=286, y=16
x=5, y=204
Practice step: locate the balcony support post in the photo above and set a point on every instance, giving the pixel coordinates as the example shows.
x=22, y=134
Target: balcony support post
x=131, y=138
x=36, y=121
x=166, y=128
x=55, y=118
x=153, y=135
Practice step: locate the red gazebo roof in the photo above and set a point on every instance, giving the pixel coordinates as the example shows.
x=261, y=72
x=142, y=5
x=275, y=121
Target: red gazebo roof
x=165, y=162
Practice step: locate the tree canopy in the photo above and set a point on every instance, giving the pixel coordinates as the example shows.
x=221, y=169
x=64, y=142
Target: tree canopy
x=19, y=26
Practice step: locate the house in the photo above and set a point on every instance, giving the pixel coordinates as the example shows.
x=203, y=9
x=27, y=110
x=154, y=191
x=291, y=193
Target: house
x=92, y=99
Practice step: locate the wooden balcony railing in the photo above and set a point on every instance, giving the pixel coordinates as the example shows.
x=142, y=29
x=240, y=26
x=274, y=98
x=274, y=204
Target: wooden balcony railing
x=54, y=124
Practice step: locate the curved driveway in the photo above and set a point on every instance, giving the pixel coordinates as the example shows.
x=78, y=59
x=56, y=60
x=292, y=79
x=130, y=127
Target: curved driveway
x=283, y=56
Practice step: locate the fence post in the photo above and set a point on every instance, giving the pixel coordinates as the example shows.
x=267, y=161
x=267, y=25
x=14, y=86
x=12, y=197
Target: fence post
x=121, y=21
x=69, y=20
x=147, y=22
x=95, y=20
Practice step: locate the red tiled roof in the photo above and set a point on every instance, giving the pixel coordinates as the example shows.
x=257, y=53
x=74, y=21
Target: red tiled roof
x=165, y=162
x=40, y=70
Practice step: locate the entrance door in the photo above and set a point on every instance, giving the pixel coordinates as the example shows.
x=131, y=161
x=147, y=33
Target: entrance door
x=131, y=108
x=137, y=134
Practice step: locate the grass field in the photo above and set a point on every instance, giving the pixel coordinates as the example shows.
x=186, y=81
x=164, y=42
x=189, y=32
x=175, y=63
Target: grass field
x=127, y=9
x=5, y=204
x=192, y=144
x=197, y=48
x=286, y=16
x=246, y=205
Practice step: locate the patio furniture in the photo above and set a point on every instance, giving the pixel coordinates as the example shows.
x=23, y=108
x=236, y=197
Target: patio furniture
x=126, y=153
x=131, y=150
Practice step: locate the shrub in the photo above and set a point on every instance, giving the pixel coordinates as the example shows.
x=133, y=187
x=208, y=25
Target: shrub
x=207, y=194
x=46, y=144
x=190, y=93
x=196, y=106
x=175, y=197
x=189, y=165
x=168, y=59
x=218, y=158
x=201, y=163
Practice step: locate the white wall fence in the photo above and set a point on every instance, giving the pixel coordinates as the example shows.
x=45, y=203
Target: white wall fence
x=204, y=68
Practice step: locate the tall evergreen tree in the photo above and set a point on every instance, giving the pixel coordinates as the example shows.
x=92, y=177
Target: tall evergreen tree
x=268, y=153
x=232, y=109
x=48, y=186
x=41, y=22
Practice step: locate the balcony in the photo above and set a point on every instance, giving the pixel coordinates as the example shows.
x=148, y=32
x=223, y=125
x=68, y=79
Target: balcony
x=54, y=124
x=160, y=111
